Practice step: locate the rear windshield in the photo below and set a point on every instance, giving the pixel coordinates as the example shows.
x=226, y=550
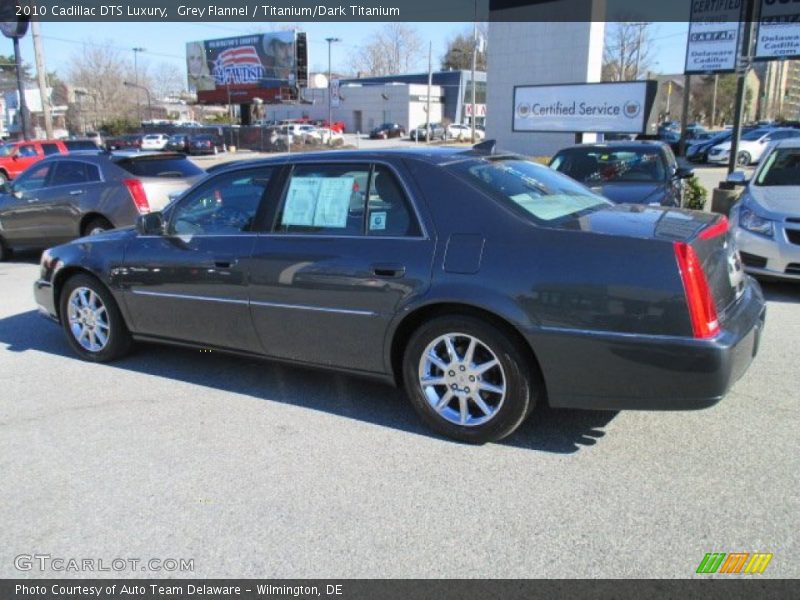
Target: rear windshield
x=160, y=166
x=543, y=193
x=80, y=145
x=595, y=166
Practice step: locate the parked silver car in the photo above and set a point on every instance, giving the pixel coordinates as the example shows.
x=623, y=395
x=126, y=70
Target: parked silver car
x=72, y=195
x=766, y=219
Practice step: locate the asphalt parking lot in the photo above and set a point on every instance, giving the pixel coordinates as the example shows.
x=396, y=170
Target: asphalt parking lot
x=260, y=470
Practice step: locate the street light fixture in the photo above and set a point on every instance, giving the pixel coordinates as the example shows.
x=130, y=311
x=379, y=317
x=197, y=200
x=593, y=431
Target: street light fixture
x=330, y=41
x=149, y=103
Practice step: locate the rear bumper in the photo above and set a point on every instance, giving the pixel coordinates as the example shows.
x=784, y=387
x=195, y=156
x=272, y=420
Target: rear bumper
x=45, y=301
x=620, y=371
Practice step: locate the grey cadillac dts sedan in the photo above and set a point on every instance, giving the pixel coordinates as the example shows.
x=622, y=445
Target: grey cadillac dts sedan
x=481, y=282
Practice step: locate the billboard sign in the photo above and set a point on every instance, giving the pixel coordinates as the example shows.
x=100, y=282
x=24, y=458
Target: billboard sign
x=778, y=30
x=237, y=69
x=714, y=32
x=584, y=107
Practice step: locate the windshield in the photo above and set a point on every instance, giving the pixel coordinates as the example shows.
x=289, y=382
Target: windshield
x=596, y=166
x=752, y=136
x=782, y=167
x=541, y=192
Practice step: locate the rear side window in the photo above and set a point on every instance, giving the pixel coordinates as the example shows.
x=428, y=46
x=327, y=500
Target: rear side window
x=70, y=172
x=49, y=149
x=80, y=145
x=158, y=166
x=389, y=214
x=325, y=200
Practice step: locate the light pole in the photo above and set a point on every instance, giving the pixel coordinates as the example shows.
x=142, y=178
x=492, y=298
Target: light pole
x=149, y=103
x=330, y=41
x=136, y=79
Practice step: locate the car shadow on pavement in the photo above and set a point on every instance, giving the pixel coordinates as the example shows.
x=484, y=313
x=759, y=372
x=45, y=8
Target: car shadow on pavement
x=28, y=257
x=557, y=431
x=781, y=291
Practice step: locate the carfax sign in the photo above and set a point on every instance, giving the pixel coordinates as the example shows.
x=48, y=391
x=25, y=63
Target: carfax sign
x=584, y=107
x=778, y=30
x=713, y=40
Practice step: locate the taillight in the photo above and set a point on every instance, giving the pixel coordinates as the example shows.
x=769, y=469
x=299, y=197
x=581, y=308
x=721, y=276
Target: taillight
x=138, y=194
x=702, y=310
x=720, y=227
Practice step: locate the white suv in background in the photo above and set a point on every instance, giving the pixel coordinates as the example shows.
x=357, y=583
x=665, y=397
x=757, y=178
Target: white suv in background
x=155, y=141
x=752, y=145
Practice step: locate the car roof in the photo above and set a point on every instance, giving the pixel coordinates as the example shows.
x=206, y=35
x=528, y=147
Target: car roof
x=619, y=145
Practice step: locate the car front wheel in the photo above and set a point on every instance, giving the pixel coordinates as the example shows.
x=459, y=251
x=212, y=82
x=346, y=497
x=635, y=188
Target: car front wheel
x=468, y=380
x=743, y=159
x=92, y=321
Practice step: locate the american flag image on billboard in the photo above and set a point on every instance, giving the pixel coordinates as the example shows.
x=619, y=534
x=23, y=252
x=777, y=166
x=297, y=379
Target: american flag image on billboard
x=240, y=65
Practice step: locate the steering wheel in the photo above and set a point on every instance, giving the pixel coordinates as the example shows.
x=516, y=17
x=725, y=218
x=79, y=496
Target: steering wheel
x=228, y=215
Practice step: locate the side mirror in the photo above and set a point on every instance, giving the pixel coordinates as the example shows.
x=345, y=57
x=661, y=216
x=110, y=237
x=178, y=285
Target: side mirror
x=684, y=172
x=150, y=224
x=737, y=178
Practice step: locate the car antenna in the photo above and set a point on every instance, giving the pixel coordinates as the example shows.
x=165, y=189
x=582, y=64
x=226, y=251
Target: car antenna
x=486, y=147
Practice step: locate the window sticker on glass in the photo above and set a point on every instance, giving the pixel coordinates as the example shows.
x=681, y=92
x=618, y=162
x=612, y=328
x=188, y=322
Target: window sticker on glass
x=318, y=202
x=377, y=221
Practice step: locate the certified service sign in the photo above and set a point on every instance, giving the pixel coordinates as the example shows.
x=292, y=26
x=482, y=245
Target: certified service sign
x=713, y=41
x=778, y=30
x=585, y=107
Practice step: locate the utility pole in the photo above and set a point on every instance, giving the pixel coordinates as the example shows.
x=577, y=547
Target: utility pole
x=428, y=108
x=22, y=106
x=330, y=41
x=474, y=60
x=638, y=51
x=714, y=101
x=41, y=75
x=744, y=65
x=687, y=91
x=136, y=80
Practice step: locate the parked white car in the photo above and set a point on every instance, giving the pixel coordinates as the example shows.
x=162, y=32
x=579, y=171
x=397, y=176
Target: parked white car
x=752, y=145
x=155, y=141
x=326, y=135
x=458, y=131
x=766, y=219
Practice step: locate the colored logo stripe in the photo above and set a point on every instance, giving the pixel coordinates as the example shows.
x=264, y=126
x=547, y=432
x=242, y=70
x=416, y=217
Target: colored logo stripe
x=717, y=561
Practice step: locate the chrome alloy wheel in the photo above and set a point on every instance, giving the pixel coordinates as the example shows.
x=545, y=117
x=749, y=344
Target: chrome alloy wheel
x=462, y=379
x=88, y=319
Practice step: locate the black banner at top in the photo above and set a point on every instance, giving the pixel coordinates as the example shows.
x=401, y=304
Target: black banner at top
x=348, y=10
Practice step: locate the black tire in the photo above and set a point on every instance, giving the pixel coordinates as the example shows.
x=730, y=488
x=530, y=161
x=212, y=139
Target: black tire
x=521, y=385
x=743, y=159
x=118, y=342
x=5, y=251
x=95, y=226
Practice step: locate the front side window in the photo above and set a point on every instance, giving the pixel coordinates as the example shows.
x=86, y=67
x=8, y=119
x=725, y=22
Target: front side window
x=325, y=199
x=33, y=179
x=27, y=151
x=542, y=193
x=224, y=205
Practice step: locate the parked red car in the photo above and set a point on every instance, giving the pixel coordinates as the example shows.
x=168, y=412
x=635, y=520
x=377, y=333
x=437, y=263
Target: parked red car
x=16, y=157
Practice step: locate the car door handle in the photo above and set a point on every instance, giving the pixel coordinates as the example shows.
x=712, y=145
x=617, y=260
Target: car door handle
x=76, y=192
x=225, y=264
x=32, y=199
x=388, y=270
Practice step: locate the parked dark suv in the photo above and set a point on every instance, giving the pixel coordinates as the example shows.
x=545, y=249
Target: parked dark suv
x=387, y=130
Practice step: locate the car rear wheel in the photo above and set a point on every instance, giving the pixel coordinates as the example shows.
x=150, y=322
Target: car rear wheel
x=96, y=226
x=468, y=380
x=743, y=159
x=92, y=321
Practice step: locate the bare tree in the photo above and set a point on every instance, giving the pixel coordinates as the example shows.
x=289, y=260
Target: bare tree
x=397, y=48
x=100, y=71
x=627, y=53
x=167, y=79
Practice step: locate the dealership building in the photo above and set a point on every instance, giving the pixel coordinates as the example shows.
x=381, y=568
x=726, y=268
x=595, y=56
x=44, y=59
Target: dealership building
x=363, y=106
